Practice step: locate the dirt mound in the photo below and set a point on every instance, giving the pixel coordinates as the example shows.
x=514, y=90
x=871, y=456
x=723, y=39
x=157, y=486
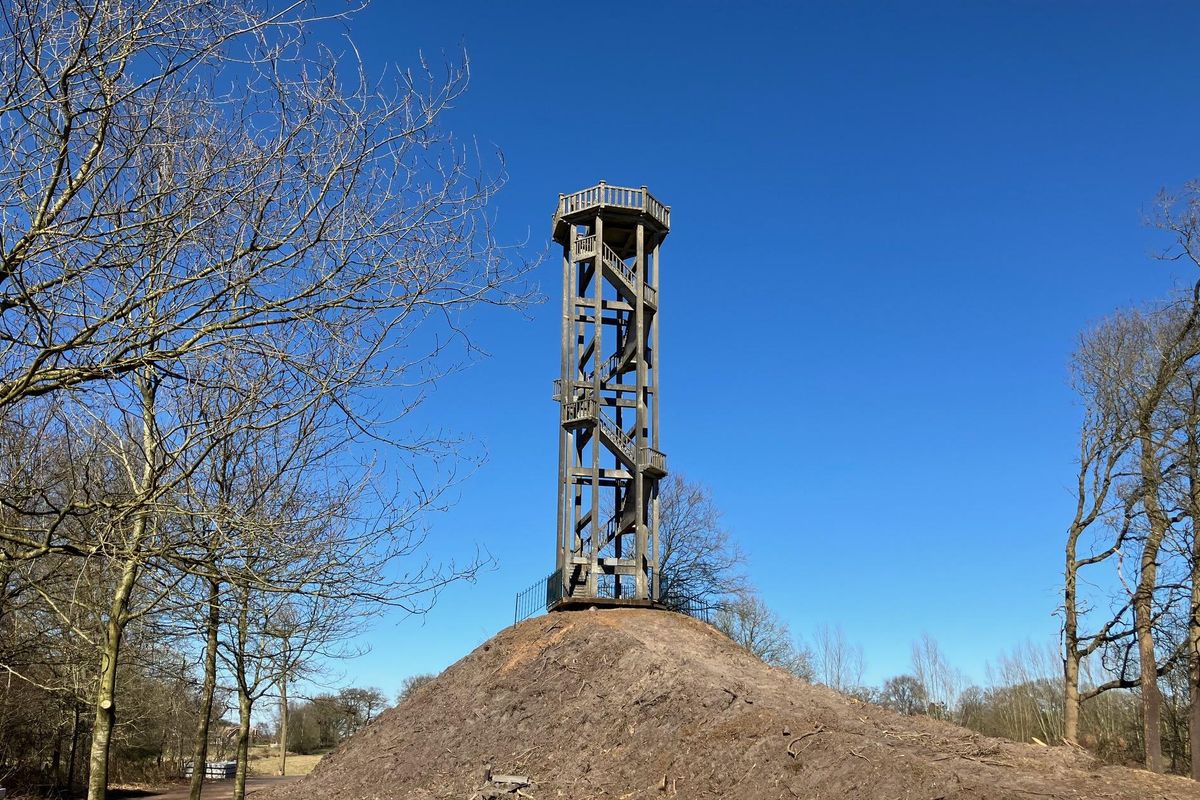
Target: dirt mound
x=650, y=704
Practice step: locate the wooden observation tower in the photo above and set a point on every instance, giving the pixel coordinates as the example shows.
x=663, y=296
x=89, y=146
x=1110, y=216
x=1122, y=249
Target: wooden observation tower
x=609, y=462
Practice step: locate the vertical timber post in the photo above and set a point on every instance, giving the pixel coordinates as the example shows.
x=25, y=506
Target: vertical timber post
x=639, y=397
x=610, y=462
x=597, y=349
x=654, y=397
x=565, y=389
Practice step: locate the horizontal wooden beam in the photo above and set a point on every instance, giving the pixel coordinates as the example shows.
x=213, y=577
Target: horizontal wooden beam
x=587, y=319
x=605, y=305
x=605, y=474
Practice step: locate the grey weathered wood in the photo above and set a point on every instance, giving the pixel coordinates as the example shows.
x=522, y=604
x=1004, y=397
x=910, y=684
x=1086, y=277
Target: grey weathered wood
x=609, y=472
x=639, y=481
x=598, y=315
x=654, y=502
x=520, y=780
x=563, y=432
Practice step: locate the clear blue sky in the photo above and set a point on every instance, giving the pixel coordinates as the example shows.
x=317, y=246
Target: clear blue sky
x=890, y=223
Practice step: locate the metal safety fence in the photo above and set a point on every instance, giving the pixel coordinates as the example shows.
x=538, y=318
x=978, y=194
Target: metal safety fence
x=545, y=593
x=698, y=607
x=539, y=597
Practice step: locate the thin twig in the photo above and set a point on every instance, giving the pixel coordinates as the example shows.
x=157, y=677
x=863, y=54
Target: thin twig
x=819, y=729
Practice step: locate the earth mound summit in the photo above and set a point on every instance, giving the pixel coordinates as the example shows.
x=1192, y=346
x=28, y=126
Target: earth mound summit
x=651, y=704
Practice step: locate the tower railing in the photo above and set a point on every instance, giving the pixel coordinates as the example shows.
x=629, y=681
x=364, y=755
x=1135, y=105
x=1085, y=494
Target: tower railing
x=618, y=436
x=615, y=263
x=616, y=196
x=609, y=366
x=581, y=410
x=613, y=363
x=585, y=247
x=653, y=459
x=656, y=209
x=620, y=520
x=556, y=393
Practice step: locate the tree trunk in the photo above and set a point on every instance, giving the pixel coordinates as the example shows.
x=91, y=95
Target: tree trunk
x=243, y=745
x=283, y=720
x=118, y=613
x=1071, y=702
x=1193, y=626
x=244, y=702
x=56, y=758
x=208, y=689
x=1148, y=683
x=106, y=688
x=74, y=747
x=4, y=707
x=1143, y=602
x=1194, y=662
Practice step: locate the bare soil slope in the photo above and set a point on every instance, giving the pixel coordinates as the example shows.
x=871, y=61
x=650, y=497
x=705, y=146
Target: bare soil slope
x=650, y=704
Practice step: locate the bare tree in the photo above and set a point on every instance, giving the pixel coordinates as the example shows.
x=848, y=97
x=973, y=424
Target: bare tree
x=199, y=150
x=1099, y=367
x=942, y=682
x=364, y=704
x=1169, y=346
x=1191, y=551
x=1129, y=368
x=285, y=626
x=1026, y=695
x=904, y=694
x=1180, y=216
x=1178, y=639
x=749, y=622
x=411, y=684
x=839, y=664
x=210, y=624
x=160, y=442
x=178, y=179
x=697, y=559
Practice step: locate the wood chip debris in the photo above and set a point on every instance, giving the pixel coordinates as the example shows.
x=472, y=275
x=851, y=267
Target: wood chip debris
x=497, y=786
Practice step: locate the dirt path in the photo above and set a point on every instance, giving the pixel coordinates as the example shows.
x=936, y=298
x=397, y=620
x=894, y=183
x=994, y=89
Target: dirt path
x=213, y=790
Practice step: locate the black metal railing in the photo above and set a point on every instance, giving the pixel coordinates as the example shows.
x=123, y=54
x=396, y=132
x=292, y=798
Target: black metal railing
x=680, y=596
x=539, y=597
x=548, y=591
x=697, y=607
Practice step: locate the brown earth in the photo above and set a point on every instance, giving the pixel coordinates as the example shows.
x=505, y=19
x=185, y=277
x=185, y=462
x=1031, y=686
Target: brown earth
x=213, y=790
x=649, y=704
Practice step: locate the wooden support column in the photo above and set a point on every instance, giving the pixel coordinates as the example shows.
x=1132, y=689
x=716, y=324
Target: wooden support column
x=639, y=476
x=654, y=398
x=580, y=332
x=597, y=360
x=620, y=492
x=564, y=436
